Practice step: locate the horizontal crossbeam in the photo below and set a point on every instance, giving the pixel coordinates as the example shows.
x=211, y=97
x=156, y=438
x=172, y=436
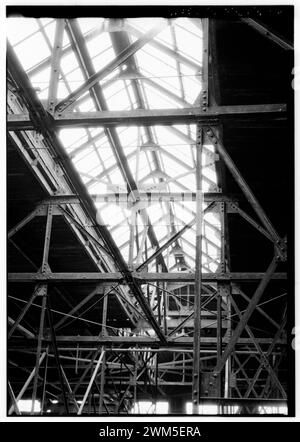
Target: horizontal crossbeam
x=147, y=197
x=143, y=340
x=139, y=276
x=146, y=117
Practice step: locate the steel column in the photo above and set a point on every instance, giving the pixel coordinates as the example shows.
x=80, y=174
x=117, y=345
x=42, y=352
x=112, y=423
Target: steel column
x=198, y=280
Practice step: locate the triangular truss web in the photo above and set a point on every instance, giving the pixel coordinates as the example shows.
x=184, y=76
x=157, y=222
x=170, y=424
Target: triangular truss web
x=166, y=72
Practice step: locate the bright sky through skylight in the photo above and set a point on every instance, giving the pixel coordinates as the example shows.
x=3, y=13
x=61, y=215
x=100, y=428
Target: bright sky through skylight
x=165, y=73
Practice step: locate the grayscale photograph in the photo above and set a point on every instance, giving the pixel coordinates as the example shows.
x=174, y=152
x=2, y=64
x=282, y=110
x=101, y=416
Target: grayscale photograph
x=150, y=211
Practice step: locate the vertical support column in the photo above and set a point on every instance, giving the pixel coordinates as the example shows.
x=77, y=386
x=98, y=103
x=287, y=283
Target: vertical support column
x=158, y=295
x=196, y=382
x=227, y=389
x=45, y=381
x=103, y=333
x=219, y=335
x=198, y=280
x=221, y=294
x=204, y=93
x=43, y=294
x=165, y=309
x=131, y=239
x=55, y=65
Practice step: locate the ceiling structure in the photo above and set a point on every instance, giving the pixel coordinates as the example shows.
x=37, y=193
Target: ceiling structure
x=164, y=73
x=126, y=138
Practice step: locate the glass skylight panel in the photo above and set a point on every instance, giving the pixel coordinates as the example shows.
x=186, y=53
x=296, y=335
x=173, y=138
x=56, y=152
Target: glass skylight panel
x=128, y=136
x=19, y=28
x=157, y=100
x=116, y=177
x=189, y=235
x=181, y=212
x=162, y=86
x=29, y=57
x=102, y=59
x=116, y=96
x=47, y=21
x=112, y=214
x=188, y=247
x=74, y=77
x=165, y=36
x=181, y=152
x=83, y=154
x=90, y=23
x=188, y=44
x=87, y=106
x=98, y=44
x=144, y=24
x=69, y=62
x=87, y=162
x=41, y=81
x=50, y=30
x=92, y=172
x=157, y=64
x=194, y=26
x=62, y=91
x=66, y=41
x=71, y=136
x=193, y=75
x=191, y=89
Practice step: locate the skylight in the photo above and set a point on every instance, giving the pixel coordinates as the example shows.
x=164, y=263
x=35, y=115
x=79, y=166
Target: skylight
x=164, y=73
